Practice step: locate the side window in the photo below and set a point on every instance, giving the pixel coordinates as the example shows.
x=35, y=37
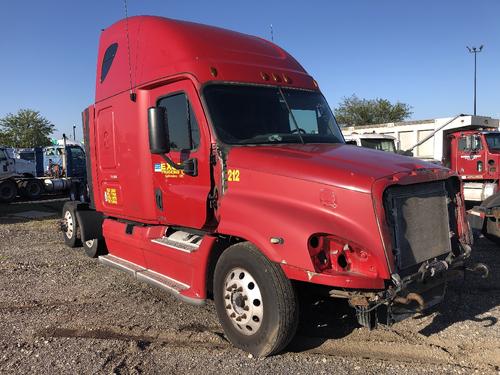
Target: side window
x=462, y=144
x=107, y=60
x=183, y=128
x=476, y=143
x=50, y=152
x=2, y=155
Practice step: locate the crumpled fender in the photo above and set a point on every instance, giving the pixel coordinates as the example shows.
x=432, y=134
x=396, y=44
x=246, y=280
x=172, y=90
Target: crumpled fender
x=262, y=206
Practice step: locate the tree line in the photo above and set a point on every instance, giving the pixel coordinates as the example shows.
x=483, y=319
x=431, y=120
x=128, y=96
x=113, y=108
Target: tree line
x=26, y=128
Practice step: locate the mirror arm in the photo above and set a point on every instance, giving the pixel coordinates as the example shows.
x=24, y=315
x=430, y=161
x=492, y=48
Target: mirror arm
x=190, y=166
x=172, y=163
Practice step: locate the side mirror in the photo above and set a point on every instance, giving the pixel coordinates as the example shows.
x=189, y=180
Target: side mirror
x=159, y=143
x=405, y=153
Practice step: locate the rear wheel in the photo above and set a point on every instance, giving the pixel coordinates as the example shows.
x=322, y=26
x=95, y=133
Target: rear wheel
x=256, y=304
x=32, y=189
x=8, y=191
x=70, y=225
x=94, y=248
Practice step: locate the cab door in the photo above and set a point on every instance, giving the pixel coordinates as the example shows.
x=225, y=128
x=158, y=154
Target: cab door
x=6, y=164
x=182, y=199
x=470, y=155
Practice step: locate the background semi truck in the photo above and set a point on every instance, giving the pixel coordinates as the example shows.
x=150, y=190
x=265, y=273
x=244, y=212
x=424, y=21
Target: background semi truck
x=34, y=172
x=470, y=145
x=217, y=170
x=375, y=141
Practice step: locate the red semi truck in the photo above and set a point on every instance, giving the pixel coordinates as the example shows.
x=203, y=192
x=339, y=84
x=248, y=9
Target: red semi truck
x=217, y=170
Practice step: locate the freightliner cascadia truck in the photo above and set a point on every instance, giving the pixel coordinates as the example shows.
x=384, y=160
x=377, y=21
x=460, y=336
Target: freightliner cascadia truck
x=217, y=170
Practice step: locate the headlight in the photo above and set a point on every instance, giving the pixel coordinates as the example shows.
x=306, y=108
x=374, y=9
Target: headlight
x=333, y=254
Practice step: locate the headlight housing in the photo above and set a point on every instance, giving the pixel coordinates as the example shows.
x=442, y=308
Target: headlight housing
x=332, y=254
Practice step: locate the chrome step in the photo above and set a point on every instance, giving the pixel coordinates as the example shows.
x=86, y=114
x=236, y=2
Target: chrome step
x=151, y=277
x=180, y=240
x=121, y=264
x=161, y=281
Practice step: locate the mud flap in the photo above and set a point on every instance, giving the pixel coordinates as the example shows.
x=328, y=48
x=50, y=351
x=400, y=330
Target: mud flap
x=90, y=223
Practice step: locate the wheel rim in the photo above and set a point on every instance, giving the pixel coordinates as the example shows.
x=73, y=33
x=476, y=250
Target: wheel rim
x=89, y=243
x=69, y=224
x=34, y=189
x=6, y=192
x=243, y=301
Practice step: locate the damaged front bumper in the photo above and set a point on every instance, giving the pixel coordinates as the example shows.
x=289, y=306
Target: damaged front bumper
x=406, y=296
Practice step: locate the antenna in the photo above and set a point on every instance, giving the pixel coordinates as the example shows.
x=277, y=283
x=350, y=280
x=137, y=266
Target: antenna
x=133, y=95
x=272, y=33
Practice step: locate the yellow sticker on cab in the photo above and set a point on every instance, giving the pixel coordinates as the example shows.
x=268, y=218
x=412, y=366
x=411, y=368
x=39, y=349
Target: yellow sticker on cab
x=168, y=171
x=233, y=175
x=110, y=196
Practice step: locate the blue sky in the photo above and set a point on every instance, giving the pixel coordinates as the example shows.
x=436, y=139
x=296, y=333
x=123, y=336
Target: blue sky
x=411, y=51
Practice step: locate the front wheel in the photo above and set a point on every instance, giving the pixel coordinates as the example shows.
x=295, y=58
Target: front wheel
x=70, y=225
x=256, y=304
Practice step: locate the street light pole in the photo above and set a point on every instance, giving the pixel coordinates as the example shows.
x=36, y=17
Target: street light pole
x=475, y=51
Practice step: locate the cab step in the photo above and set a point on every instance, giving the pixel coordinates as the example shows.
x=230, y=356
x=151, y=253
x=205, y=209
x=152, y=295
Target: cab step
x=180, y=240
x=121, y=264
x=151, y=277
x=161, y=281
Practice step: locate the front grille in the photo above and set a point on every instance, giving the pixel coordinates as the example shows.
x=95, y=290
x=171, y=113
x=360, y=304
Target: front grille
x=418, y=216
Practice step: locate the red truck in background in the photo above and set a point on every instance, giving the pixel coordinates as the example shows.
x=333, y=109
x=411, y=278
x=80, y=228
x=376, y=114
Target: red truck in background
x=217, y=170
x=478, y=157
x=469, y=145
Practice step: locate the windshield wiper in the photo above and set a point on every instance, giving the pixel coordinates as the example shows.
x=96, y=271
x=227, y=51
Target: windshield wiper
x=291, y=114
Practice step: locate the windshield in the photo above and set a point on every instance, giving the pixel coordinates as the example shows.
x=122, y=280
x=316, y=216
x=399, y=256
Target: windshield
x=379, y=144
x=270, y=115
x=493, y=141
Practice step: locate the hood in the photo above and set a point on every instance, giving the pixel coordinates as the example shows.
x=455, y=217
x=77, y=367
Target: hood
x=345, y=166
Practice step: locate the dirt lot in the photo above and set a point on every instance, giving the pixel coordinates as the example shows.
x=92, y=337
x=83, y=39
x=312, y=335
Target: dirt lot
x=61, y=312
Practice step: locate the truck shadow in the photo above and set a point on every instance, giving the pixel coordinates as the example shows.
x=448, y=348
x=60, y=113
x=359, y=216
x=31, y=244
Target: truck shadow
x=468, y=299
x=21, y=211
x=322, y=319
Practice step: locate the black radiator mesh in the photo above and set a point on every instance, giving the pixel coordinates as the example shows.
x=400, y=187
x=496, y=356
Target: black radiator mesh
x=418, y=217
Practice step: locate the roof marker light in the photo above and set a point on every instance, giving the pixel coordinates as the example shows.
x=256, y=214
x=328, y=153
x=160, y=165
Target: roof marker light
x=276, y=78
x=264, y=76
x=213, y=71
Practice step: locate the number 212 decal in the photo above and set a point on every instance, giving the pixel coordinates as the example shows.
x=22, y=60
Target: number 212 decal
x=233, y=175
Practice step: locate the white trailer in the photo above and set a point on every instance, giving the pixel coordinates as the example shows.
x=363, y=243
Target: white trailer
x=429, y=133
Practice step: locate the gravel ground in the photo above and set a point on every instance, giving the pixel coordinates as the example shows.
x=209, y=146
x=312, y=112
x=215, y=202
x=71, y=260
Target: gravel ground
x=61, y=312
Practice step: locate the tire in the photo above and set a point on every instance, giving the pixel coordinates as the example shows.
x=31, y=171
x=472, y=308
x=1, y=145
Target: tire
x=268, y=321
x=32, y=189
x=94, y=248
x=491, y=229
x=70, y=225
x=8, y=191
